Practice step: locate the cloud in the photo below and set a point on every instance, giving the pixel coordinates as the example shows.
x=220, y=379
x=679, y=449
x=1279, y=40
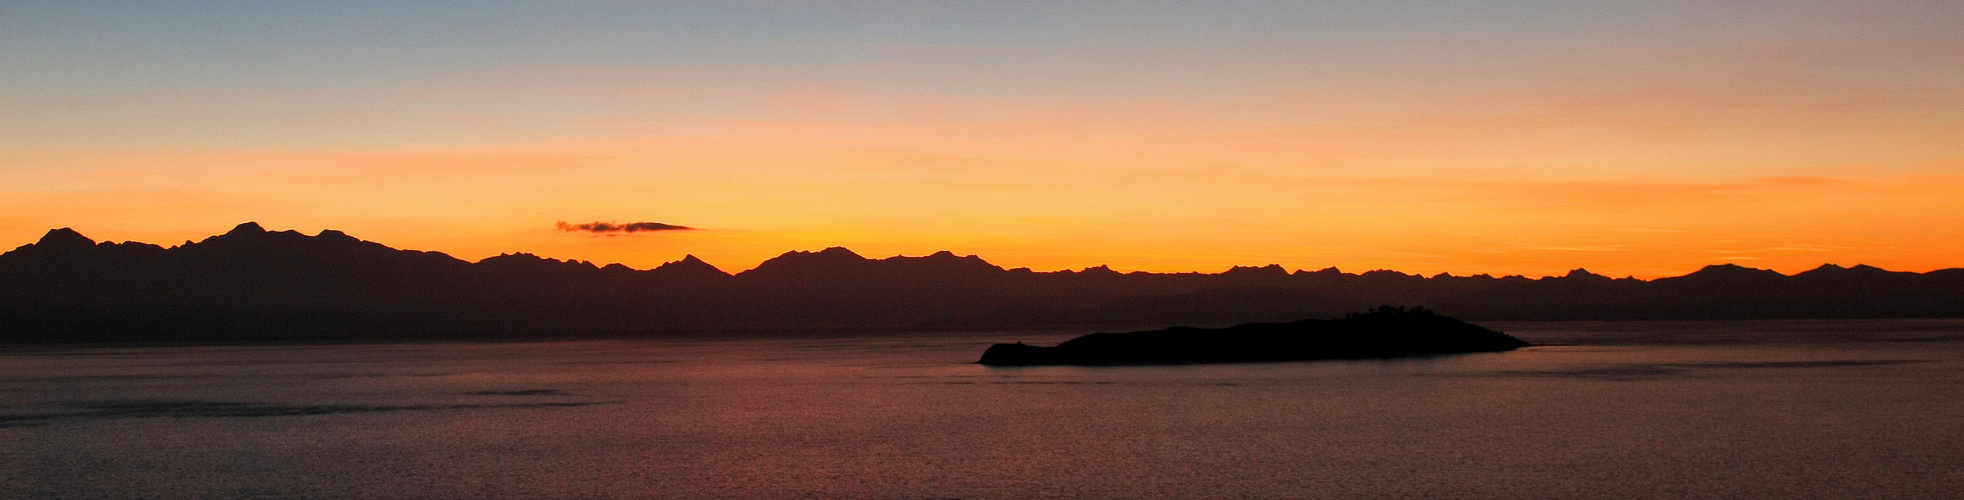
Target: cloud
x=609, y=227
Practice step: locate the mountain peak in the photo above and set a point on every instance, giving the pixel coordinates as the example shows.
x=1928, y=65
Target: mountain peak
x=513, y=256
x=832, y=260
x=1100, y=270
x=1859, y=269
x=1730, y=269
x=1271, y=270
x=940, y=263
x=838, y=252
x=1580, y=273
x=832, y=254
x=1831, y=270
x=1730, y=275
x=64, y=238
x=1387, y=273
x=1327, y=271
x=690, y=265
x=246, y=228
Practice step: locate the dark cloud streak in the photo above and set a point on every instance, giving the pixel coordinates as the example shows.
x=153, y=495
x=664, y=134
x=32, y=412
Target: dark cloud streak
x=609, y=227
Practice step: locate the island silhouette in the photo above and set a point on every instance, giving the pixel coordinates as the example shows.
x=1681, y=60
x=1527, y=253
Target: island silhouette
x=255, y=284
x=1384, y=333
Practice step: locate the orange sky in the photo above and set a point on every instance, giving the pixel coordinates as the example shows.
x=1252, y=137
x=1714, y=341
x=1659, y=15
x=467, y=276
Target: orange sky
x=1645, y=145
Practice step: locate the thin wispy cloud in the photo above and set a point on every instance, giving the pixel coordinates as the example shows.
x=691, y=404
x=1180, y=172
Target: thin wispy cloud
x=615, y=228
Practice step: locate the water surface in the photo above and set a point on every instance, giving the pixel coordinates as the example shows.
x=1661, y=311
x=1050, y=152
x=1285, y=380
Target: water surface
x=1812, y=409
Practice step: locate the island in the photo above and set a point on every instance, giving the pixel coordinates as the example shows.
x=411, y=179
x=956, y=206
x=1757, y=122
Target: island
x=1387, y=332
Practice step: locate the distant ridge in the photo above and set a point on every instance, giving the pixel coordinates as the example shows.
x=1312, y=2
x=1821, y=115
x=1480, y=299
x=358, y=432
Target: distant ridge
x=255, y=284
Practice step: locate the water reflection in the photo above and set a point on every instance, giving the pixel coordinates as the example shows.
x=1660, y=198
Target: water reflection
x=1740, y=410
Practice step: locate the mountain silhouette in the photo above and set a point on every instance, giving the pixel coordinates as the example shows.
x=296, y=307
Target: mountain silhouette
x=255, y=284
x=689, y=269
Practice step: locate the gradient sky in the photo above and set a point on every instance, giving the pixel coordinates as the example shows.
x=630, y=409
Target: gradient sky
x=1629, y=138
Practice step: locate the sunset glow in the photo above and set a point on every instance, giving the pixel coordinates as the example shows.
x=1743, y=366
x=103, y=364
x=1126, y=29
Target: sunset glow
x=1511, y=138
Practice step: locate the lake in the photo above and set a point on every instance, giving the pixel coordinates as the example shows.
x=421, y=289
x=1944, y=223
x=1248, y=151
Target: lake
x=1761, y=409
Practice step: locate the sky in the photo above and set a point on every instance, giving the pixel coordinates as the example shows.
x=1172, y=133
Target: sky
x=1628, y=138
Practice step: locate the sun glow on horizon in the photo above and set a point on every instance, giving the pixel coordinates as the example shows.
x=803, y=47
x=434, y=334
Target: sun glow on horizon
x=1500, y=139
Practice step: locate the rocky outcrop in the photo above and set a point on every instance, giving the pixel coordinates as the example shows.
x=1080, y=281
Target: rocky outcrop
x=1388, y=332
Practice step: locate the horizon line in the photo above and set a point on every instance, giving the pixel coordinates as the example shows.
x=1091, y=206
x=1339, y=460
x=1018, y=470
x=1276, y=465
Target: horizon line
x=251, y=226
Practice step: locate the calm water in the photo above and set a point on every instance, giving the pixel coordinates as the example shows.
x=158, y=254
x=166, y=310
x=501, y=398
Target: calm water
x=1717, y=410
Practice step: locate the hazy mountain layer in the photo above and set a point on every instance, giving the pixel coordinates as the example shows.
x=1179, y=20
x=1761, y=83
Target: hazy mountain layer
x=250, y=283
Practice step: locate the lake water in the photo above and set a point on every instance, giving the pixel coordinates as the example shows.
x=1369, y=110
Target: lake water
x=1812, y=409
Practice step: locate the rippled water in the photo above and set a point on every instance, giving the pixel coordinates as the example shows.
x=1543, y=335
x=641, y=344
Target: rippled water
x=1715, y=409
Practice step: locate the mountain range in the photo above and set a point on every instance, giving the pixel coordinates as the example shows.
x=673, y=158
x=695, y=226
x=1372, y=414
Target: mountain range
x=254, y=284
